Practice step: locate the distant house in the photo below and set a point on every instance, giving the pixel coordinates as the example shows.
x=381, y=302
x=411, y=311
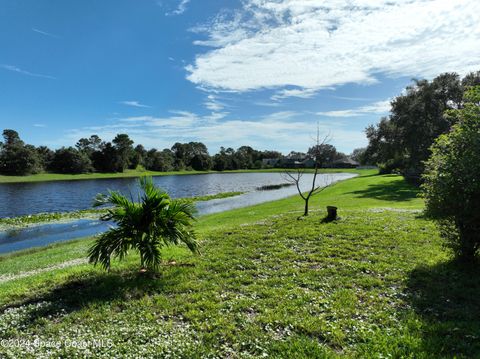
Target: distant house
x=367, y=167
x=297, y=163
x=308, y=163
x=288, y=163
x=345, y=163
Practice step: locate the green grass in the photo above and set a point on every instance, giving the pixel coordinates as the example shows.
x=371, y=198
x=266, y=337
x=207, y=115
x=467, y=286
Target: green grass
x=46, y=177
x=374, y=284
x=220, y=195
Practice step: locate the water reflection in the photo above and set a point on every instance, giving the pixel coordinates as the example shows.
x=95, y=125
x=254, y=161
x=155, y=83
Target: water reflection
x=18, y=199
x=41, y=235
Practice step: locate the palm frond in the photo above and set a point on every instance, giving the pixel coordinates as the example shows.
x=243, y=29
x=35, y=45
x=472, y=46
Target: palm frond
x=100, y=200
x=147, y=225
x=108, y=244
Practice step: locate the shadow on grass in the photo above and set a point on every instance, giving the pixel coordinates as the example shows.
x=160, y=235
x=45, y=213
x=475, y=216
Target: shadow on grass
x=447, y=297
x=115, y=288
x=397, y=191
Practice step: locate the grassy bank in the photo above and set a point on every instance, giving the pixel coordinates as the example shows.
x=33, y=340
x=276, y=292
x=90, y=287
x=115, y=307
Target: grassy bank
x=46, y=177
x=376, y=283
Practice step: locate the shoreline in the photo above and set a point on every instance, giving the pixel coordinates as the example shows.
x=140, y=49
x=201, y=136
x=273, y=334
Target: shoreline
x=65, y=217
x=54, y=177
x=21, y=222
x=210, y=222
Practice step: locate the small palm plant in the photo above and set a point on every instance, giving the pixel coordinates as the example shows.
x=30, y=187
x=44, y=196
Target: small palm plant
x=146, y=226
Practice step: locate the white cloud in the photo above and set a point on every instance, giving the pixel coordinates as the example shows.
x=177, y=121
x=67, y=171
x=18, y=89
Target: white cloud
x=280, y=116
x=350, y=98
x=379, y=107
x=225, y=29
x=216, y=116
x=24, y=72
x=45, y=33
x=213, y=104
x=181, y=8
x=301, y=93
x=300, y=46
x=177, y=119
x=134, y=104
x=267, y=104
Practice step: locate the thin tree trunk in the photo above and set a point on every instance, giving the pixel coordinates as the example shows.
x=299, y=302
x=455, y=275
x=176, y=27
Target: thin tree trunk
x=305, y=213
x=295, y=179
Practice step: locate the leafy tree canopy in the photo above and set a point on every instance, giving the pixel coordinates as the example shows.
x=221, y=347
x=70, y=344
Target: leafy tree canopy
x=402, y=140
x=452, y=179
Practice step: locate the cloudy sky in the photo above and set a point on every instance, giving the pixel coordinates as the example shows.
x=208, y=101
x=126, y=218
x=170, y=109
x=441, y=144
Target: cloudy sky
x=225, y=72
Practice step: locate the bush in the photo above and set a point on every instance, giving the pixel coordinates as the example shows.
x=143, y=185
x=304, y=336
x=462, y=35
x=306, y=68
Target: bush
x=70, y=160
x=452, y=179
x=145, y=226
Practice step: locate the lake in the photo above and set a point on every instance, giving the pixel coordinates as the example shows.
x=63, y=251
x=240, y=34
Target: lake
x=64, y=196
x=18, y=199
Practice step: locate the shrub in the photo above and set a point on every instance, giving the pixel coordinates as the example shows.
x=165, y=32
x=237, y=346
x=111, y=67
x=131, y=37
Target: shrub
x=452, y=179
x=144, y=226
x=70, y=160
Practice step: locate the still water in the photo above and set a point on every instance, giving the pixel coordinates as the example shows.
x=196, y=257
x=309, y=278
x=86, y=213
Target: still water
x=64, y=196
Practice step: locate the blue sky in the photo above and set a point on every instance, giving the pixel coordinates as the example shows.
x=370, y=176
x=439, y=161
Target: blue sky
x=225, y=72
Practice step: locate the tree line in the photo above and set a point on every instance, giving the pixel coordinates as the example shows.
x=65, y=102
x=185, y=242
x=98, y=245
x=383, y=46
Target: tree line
x=401, y=141
x=95, y=155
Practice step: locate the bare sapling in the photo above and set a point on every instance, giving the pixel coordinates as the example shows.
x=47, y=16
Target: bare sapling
x=295, y=176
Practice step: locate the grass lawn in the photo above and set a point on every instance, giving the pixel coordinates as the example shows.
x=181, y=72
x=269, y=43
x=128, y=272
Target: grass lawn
x=374, y=284
x=46, y=177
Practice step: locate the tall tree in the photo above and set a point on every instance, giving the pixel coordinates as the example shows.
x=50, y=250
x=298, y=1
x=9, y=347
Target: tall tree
x=246, y=156
x=106, y=159
x=402, y=140
x=45, y=156
x=358, y=154
x=270, y=154
x=159, y=160
x=185, y=152
x=11, y=138
x=324, y=153
x=16, y=158
x=201, y=162
x=138, y=157
x=124, y=147
x=220, y=160
x=89, y=145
